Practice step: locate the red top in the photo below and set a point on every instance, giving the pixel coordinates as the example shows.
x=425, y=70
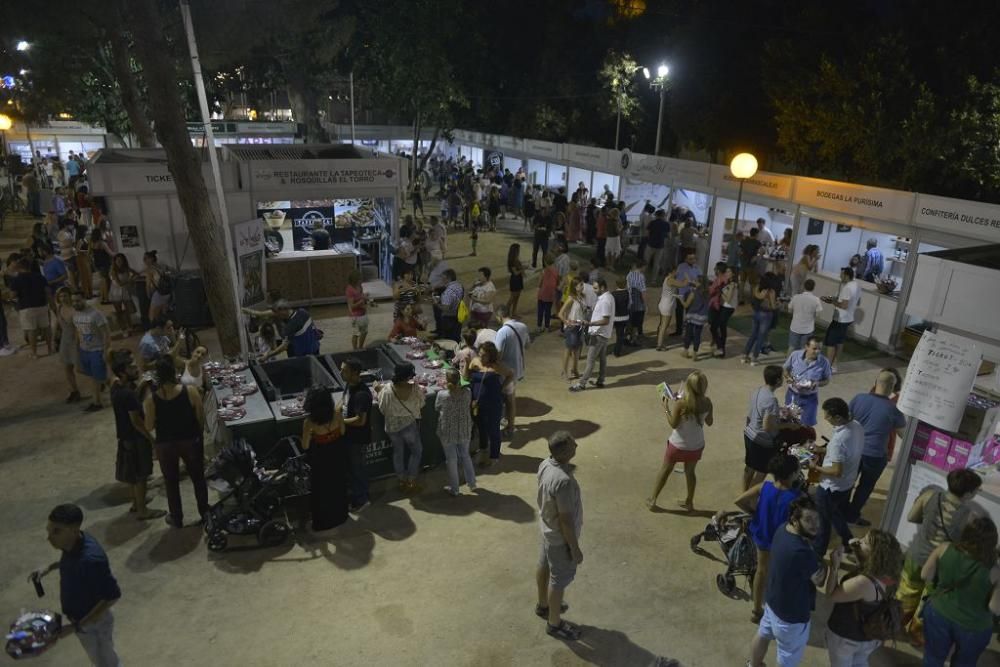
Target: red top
x=402, y=327
x=354, y=294
x=548, y=284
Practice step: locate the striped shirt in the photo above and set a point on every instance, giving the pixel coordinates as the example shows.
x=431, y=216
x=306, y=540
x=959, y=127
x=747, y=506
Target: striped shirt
x=450, y=298
x=635, y=280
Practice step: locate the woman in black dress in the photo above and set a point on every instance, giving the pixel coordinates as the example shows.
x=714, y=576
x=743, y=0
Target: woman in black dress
x=516, y=270
x=329, y=460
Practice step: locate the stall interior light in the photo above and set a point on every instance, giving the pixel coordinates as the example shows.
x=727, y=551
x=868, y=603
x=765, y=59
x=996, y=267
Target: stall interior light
x=743, y=166
x=64, y=116
x=5, y=122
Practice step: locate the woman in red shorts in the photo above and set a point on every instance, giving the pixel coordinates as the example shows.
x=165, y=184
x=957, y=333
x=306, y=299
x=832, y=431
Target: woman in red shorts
x=688, y=414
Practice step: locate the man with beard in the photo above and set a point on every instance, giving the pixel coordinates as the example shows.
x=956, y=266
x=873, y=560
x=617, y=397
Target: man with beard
x=794, y=573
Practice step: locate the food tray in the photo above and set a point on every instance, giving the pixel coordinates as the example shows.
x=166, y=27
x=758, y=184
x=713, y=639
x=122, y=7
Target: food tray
x=234, y=401
x=416, y=354
x=245, y=389
x=434, y=363
x=232, y=414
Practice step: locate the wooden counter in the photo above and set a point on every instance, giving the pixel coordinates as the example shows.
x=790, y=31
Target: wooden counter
x=306, y=277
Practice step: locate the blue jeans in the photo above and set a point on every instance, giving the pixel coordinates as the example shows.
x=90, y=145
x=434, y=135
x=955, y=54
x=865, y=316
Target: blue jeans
x=941, y=634
x=870, y=470
x=98, y=641
x=692, y=335
x=762, y=320
x=833, y=507
x=544, y=314
x=4, y=341
x=797, y=341
x=407, y=437
x=452, y=455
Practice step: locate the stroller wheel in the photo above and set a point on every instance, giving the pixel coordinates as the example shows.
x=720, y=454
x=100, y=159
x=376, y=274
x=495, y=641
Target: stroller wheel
x=217, y=541
x=272, y=533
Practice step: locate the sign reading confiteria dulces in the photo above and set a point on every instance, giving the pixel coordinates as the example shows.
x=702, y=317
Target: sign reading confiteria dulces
x=957, y=216
x=329, y=174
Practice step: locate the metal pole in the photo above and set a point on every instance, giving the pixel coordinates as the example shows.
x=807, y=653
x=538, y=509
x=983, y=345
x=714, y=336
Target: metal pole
x=659, y=117
x=739, y=200
x=352, y=107
x=199, y=84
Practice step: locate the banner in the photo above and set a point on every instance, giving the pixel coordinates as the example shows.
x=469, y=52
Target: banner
x=248, y=239
x=494, y=159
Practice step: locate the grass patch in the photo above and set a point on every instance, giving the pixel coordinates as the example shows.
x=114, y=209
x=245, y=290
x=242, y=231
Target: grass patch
x=853, y=350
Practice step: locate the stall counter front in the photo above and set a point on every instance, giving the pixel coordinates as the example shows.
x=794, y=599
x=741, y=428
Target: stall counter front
x=874, y=317
x=308, y=277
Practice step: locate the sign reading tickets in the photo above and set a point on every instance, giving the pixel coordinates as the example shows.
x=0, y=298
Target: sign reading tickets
x=939, y=378
x=331, y=173
x=859, y=200
x=956, y=216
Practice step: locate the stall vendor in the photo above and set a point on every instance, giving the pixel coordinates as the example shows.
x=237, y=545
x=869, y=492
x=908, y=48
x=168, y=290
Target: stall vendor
x=301, y=336
x=806, y=371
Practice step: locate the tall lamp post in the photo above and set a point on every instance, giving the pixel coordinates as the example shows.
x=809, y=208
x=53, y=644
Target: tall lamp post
x=742, y=167
x=658, y=83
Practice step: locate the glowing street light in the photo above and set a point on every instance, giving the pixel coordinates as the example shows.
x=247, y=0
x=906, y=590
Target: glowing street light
x=742, y=167
x=5, y=122
x=23, y=45
x=659, y=82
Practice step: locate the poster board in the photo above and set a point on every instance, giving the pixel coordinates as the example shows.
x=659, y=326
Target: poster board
x=939, y=379
x=248, y=241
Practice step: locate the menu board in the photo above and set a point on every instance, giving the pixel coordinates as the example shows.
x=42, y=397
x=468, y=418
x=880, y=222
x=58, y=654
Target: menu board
x=939, y=378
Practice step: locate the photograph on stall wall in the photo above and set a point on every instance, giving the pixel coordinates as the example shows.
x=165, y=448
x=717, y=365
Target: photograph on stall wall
x=814, y=227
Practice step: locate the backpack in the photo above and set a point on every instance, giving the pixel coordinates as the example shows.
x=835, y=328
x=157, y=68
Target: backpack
x=886, y=620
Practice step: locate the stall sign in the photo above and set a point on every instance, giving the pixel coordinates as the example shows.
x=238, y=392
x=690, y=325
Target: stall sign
x=494, y=159
x=778, y=186
x=378, y=458
x=652, y=169
x=303, y=220
x=591, y=156
x=265, y=128
x=542, y=148
x=248, y=240
x=867, y=202
x=939, y=378
x=339, y=174
x=956, y=216
x=218, y=127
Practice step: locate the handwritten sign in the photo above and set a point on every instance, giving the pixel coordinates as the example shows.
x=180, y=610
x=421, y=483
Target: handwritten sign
x=938, y=381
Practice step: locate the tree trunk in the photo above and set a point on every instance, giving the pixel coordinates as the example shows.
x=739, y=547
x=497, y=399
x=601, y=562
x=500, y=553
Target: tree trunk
x=430, y=151
x=305, y=104
x=207, y=235
x=128, y=88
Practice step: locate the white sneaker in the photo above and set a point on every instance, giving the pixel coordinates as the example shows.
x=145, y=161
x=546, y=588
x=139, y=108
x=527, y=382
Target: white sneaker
x=833, y=370
x=7, y=351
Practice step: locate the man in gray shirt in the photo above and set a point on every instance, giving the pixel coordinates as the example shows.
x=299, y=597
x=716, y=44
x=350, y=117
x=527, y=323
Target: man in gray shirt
x=560, y=513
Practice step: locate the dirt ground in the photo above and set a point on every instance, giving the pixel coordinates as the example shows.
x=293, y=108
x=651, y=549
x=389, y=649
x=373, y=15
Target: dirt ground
x=422, y=580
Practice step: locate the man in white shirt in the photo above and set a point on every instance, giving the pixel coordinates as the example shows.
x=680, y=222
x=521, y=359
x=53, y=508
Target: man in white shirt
x=511, y=340
x=841, y=460
x=804, y=308
x=599, y=329
x=843, y=317
x=765, y=236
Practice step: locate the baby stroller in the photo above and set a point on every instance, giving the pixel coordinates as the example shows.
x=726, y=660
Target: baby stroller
x=732, y=532
x=257, y=494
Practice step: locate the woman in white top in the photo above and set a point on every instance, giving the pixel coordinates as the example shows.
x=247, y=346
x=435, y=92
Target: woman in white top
x=400, y=403
x=668, y=299
x=192, y=376
x=688, y=414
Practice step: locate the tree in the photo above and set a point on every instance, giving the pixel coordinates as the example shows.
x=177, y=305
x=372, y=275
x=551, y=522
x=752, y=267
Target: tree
x=618, y=76
x=158, y=62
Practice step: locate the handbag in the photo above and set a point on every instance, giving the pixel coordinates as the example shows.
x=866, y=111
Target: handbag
x=475, y=402
x=463, y=312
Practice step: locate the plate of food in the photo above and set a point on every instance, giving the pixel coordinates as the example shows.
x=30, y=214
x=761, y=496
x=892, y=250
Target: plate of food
x=245, y=389
x=292, y=409
x=232, y=414
x=434, y=363
x=237, y=367
x=409, y=340
x=234, y=401
x=416, y=354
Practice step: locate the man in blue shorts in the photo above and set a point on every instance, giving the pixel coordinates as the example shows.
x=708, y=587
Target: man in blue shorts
x=92, y=337
x=794, y=573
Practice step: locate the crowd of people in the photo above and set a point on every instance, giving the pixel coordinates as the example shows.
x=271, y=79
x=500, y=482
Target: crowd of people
x=795, y=511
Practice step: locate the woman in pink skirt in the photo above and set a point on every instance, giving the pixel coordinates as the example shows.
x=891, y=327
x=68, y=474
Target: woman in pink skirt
x=688, y=414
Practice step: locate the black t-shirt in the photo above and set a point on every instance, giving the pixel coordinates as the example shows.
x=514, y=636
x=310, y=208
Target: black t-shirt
x=543, y=226
x=791, y=594
x=359, y=402
x=657, y=232
x=124, y=401
x=321, y=239
x=296, y=322
x=750, y=247
x=621, y=301
x=31, y=290
x=559, y=203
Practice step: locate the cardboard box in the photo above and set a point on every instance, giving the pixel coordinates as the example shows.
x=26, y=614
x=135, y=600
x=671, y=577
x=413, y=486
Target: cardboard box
x=920, y=439
x=938, y=445
x=959, y=454
x=979, y=419
x=991, y=452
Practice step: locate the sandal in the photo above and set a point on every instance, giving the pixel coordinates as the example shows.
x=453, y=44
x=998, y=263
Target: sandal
x=543, y=612
x=565, y=631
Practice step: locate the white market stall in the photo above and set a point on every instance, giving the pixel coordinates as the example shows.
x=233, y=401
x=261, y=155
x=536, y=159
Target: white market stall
x=952, y=384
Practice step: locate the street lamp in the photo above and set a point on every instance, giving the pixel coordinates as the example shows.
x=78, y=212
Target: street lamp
x=23, y=45
x=660, y=82
x=742, y=167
